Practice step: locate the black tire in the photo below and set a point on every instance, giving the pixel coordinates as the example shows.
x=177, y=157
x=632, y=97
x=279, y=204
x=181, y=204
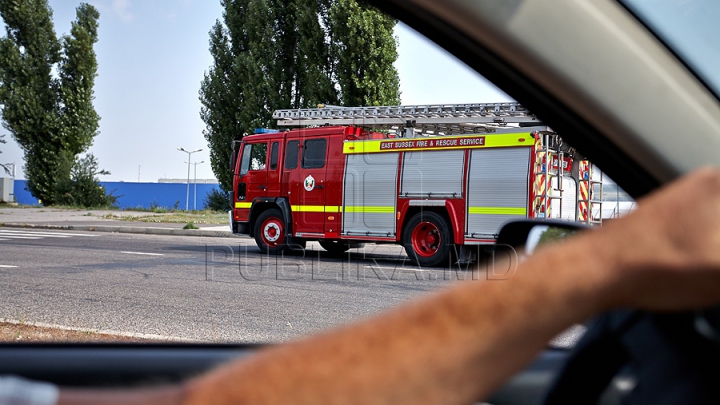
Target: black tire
x=270, y=233
x=335, y=247
x=296, y=244
x=427, y=239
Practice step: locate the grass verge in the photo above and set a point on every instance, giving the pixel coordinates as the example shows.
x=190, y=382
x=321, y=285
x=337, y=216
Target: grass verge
x=156, y=214
x=196, y=217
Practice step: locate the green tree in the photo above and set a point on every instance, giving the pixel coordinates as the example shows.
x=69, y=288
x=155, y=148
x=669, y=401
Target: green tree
x=555, y=234
x=48, y=115
x=228, y=94
x=364, y=50
x=78, y=184
x=77, y=70
x=274, y=54
x=301, y=70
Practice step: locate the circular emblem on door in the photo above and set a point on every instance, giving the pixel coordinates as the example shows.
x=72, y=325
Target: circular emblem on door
x=309, y=183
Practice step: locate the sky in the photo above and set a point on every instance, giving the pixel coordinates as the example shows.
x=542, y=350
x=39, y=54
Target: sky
x=152, y=55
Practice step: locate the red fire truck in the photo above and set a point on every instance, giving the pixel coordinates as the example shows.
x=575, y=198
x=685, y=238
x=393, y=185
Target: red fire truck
x=436, y=179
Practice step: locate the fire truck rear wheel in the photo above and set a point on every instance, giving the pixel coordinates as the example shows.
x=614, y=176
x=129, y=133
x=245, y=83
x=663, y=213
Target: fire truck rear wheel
x=427, y=239
x=270, y=234
x=335, y=247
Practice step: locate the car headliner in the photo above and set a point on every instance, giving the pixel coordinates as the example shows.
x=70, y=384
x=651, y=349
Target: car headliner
x=602, y=80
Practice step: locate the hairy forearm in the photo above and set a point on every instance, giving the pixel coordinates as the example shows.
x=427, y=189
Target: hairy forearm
x=455, y=347
x=452, y=348
x=461, y=344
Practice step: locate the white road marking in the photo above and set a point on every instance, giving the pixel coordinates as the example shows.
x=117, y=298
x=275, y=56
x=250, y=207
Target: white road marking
x=11, y=234
x=7, y=266
x=142, y=253
x=46, y=233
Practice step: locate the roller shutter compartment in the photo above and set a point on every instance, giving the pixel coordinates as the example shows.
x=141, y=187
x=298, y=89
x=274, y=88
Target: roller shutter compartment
x=433, y=174
x=370, y=194
x=497, y=189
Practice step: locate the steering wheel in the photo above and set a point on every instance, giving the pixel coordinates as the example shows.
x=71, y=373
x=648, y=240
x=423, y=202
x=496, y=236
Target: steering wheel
x=634, y=357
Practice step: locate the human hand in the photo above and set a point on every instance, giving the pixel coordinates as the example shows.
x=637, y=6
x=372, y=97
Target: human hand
x=666, y=254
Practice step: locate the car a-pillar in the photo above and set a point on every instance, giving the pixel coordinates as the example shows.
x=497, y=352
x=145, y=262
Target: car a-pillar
x=427, y=237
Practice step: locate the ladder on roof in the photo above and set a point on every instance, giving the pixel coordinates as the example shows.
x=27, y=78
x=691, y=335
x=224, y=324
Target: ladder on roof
x=444, y=119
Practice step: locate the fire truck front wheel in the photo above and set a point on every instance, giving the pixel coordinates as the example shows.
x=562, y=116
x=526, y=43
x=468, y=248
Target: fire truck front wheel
x=270, y=234
x=427, y=239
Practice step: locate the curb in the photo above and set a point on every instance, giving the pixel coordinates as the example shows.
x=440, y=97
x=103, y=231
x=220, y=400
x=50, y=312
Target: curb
x=124, y=229
x=107, y=332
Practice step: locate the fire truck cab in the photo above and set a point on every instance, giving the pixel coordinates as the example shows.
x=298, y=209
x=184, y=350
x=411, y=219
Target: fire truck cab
x=344, y=185
x=288, y=187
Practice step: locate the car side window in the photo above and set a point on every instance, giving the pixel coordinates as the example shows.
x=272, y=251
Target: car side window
x=291, y=154
x=274, y=155
x=314, y=154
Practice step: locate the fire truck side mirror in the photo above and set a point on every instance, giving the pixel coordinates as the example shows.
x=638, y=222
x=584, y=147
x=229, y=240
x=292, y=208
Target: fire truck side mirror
x=531, y=234
x=233, y=157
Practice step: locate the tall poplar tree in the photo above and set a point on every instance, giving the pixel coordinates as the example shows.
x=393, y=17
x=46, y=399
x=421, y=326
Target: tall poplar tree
x=51, y=116
x=274, y=54
x=364, y=50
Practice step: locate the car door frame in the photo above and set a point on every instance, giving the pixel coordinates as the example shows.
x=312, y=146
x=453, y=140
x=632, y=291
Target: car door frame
x=72, y=364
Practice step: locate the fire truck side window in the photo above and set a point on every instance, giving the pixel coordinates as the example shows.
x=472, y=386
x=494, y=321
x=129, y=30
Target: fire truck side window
x=254, y=157
x=259, y=156
x=245, y=163
x=291, y=154
x=274, y=155
x=314, y=154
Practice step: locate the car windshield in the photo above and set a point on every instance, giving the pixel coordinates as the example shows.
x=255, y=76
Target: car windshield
x=688, y=28
x=363, y=235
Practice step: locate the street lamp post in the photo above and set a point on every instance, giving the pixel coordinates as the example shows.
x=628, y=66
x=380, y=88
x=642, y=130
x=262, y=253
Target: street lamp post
x=195, y=183
x=187, y=192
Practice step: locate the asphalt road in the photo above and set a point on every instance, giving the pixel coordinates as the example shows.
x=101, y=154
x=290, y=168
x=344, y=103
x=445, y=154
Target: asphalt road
x=207, y=289
x=219, y=289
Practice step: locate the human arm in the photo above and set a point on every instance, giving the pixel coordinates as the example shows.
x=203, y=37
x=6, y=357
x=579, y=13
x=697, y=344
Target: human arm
x=436, y=350
x=461, y=344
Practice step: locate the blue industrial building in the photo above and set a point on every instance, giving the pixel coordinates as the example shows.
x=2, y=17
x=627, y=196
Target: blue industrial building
x=137, y=195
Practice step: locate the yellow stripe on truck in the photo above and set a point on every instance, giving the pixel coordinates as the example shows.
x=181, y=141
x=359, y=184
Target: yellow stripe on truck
x=497, y=211
x=370, y=209
x=330, y=208
x=439, y=143
x=314, y=208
